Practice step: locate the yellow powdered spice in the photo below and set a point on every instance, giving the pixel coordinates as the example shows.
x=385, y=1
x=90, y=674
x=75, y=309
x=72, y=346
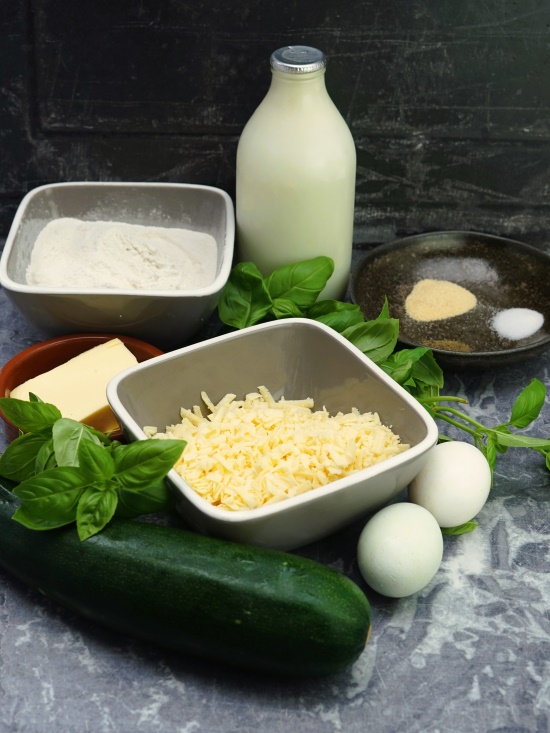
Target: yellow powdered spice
x=434, y=300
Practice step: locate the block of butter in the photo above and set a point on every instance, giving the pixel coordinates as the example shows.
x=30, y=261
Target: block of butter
x=78, y=387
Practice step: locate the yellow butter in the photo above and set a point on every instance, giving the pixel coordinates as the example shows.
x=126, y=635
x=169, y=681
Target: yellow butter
x=78, y=387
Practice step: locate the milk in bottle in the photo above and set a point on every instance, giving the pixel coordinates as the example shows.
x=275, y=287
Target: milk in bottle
x=296, y=164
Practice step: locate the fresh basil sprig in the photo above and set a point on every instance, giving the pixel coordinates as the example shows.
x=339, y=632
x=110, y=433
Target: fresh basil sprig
x=496, y=440
x=292, y=291
x=248, y=297
x=69, y=472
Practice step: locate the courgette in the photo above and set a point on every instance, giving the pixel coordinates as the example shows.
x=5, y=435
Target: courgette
x=259, y=609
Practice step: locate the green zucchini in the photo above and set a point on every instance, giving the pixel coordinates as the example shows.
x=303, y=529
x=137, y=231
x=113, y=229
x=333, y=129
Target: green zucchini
x=254, y=608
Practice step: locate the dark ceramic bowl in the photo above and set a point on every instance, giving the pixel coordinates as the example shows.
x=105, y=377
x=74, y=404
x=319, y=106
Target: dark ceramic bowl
x=501, y=273
x=47, y=355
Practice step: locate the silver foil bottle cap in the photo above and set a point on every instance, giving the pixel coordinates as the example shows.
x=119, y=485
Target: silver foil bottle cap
x=298, y=59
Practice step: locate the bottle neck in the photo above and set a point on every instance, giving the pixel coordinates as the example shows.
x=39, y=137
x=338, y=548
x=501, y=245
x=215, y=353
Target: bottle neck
x=292, y=86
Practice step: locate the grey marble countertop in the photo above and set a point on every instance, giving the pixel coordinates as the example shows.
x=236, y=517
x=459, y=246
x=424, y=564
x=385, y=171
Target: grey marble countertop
x=468, y=654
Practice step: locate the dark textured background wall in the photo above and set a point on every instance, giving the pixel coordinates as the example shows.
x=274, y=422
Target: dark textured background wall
x=448, y=102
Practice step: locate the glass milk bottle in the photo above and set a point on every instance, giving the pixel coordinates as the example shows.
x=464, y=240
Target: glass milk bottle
x=296, y=162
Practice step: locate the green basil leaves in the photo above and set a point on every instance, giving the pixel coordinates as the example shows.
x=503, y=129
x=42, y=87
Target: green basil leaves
x=292, y=291
x=68, y=472
x=248, y=298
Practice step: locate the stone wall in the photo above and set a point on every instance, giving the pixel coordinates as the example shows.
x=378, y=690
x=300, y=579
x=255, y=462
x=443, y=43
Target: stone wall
x=448, y=102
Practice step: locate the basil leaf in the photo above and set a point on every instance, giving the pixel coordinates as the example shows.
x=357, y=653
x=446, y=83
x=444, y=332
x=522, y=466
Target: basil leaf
x=45, y=458
x=95, y=462
x=399, y=370
x=528, y=404
x=18, y=462
x=490, y=452
x=376, y=339
x=300, y=282
x=385, y=312
x=30, y=516
x=494, y=436
x=31, y=417
x=340, y=321
x=139, y=464
x=156, y=497
x=52, y=483
x=327, y=307
x=426, y=378
x=285, y=308
x=244, y=300
x=510, y=440
x=401, y=364
x=50, y=498
x=460, y=529
x=95, y=509
x=68, y=436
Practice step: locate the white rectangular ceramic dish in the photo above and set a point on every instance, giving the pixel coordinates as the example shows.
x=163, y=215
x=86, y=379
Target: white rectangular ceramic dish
x=294, y=358
x=166, y=318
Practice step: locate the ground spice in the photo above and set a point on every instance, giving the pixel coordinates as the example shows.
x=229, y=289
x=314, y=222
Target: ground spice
x=435, y=300
x=449, y=345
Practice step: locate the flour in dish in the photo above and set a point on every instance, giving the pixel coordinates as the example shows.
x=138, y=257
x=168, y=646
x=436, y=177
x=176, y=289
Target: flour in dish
x=72, y=253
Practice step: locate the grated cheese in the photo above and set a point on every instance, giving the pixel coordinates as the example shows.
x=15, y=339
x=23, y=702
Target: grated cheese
x=249, y=453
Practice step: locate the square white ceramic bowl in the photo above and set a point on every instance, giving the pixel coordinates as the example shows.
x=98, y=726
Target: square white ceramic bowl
x=294, y=358
x=166, y=318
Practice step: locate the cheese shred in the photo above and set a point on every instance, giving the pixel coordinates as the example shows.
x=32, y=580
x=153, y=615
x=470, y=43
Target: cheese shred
x=250, y=453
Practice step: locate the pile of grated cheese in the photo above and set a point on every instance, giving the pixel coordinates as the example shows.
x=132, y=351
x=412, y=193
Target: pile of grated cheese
x=249, y=453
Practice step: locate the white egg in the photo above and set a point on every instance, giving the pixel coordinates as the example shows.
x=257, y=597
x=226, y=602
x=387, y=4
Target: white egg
x=453, y=484
x=400, y=550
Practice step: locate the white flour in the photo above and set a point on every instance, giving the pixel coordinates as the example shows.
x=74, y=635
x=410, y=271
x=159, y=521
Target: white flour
x=71, y=253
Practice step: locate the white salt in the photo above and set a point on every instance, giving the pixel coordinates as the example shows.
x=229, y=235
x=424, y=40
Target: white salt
x=517, y=323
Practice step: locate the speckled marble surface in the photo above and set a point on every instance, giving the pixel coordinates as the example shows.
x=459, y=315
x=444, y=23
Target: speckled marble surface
x=469, y=654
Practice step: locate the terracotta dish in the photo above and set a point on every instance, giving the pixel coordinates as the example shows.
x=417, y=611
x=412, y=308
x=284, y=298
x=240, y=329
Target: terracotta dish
x=49, y=354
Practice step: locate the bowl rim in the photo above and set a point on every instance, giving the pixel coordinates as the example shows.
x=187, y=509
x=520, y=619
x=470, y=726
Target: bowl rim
x=226, y=250
x=40, y=346
x=476, y=357
x=128, y=424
